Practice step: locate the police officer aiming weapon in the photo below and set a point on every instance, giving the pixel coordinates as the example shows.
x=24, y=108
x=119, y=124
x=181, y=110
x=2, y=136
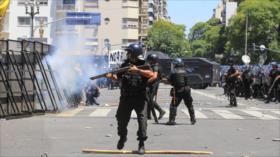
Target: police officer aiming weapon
x=133, y=84
x=119, y=71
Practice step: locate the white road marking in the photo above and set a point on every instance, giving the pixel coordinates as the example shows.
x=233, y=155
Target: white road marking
x=277, y=112
x=227, y=114
x=133, y=114
x=259, y=114
x=100, y=112
x=186, y=112
x=166, y=113
x=200, y=115
x=70, y=113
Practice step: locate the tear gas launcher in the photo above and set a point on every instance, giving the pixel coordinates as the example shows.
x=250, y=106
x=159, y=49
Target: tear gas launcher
x=119, y=70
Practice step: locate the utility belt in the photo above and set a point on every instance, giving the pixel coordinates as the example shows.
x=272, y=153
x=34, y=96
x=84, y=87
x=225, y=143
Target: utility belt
x=179, y=90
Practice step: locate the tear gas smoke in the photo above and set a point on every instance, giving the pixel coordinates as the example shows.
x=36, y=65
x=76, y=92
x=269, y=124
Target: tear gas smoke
x=72, y=68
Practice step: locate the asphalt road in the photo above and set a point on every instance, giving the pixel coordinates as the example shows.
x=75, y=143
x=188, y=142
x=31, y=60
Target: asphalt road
x=251, y=130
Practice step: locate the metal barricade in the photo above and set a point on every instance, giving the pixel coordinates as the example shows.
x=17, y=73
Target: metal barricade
x=27, y=84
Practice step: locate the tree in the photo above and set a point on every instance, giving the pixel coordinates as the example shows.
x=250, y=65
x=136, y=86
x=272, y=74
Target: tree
x=168, y=38
x=264, y=17
x=207, y=38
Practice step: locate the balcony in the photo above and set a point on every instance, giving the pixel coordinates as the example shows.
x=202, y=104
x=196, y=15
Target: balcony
x=129, y=26
x=130, y=4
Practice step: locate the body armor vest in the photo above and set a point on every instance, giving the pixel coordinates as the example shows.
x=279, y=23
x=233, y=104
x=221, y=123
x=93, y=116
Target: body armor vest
x=132, y=84
x=178, y=79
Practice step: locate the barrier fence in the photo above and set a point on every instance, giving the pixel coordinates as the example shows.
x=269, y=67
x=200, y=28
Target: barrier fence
x=27, y=84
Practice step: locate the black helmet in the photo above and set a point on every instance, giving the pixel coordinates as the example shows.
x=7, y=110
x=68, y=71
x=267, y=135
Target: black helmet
x=178, y=62
x=135, y=51
x=152, y=58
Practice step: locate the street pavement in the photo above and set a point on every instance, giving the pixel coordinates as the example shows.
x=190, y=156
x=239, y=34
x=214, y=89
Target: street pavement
x=249, y=130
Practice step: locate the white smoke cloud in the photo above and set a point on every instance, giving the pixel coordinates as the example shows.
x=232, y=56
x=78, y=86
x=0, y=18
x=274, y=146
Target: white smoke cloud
x=71, y=68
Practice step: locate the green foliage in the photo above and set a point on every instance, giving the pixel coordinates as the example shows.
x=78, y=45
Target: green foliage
x=210, y=38
x=207, y=38
x=263, y=21
x=168, y=38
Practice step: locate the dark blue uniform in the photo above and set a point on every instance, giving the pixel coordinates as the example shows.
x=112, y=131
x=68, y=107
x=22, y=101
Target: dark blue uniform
x=133, y=97
x=152, y=92
x=180, y=91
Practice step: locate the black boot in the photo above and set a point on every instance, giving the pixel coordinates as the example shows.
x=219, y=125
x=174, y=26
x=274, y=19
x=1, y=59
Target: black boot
x=141, y=148
x=192, y=115
x=161, y=114
x=193, y=120
x=171, y=121
x=121, y=142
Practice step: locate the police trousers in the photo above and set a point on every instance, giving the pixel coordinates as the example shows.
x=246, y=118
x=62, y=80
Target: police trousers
x=126, y=105
x=183, y=94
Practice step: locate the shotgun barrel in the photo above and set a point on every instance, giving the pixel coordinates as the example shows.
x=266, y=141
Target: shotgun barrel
x=119, y=70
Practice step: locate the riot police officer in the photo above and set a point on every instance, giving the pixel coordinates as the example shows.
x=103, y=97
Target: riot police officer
x=246, y=81
x=178, y=79
x=231, y=80
x=274, y=72
x=133, y=85
x=153, y=84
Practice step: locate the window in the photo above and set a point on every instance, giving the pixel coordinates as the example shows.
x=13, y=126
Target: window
x=130, y=23
x=43, y=2
x=24, y=21
x=38, y=21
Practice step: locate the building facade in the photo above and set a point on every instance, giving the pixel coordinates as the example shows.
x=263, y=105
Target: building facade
x=104, y=25
x=17, y=24
x=225, y=10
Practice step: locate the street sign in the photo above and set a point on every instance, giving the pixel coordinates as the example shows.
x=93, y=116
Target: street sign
x=83, y=18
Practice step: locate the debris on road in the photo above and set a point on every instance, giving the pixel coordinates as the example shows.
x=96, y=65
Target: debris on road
x=276, y=139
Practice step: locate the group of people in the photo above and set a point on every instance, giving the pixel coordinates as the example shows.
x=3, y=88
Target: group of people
x=138, y=88
x=252, y=83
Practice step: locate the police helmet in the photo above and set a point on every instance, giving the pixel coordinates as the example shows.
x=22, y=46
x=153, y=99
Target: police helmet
x=152, y=58
x=135, y=51
x=178, y=62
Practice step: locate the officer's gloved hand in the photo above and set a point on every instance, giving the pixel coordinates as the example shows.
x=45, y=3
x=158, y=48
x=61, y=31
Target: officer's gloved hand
x=109, y=75
x=134, y=69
